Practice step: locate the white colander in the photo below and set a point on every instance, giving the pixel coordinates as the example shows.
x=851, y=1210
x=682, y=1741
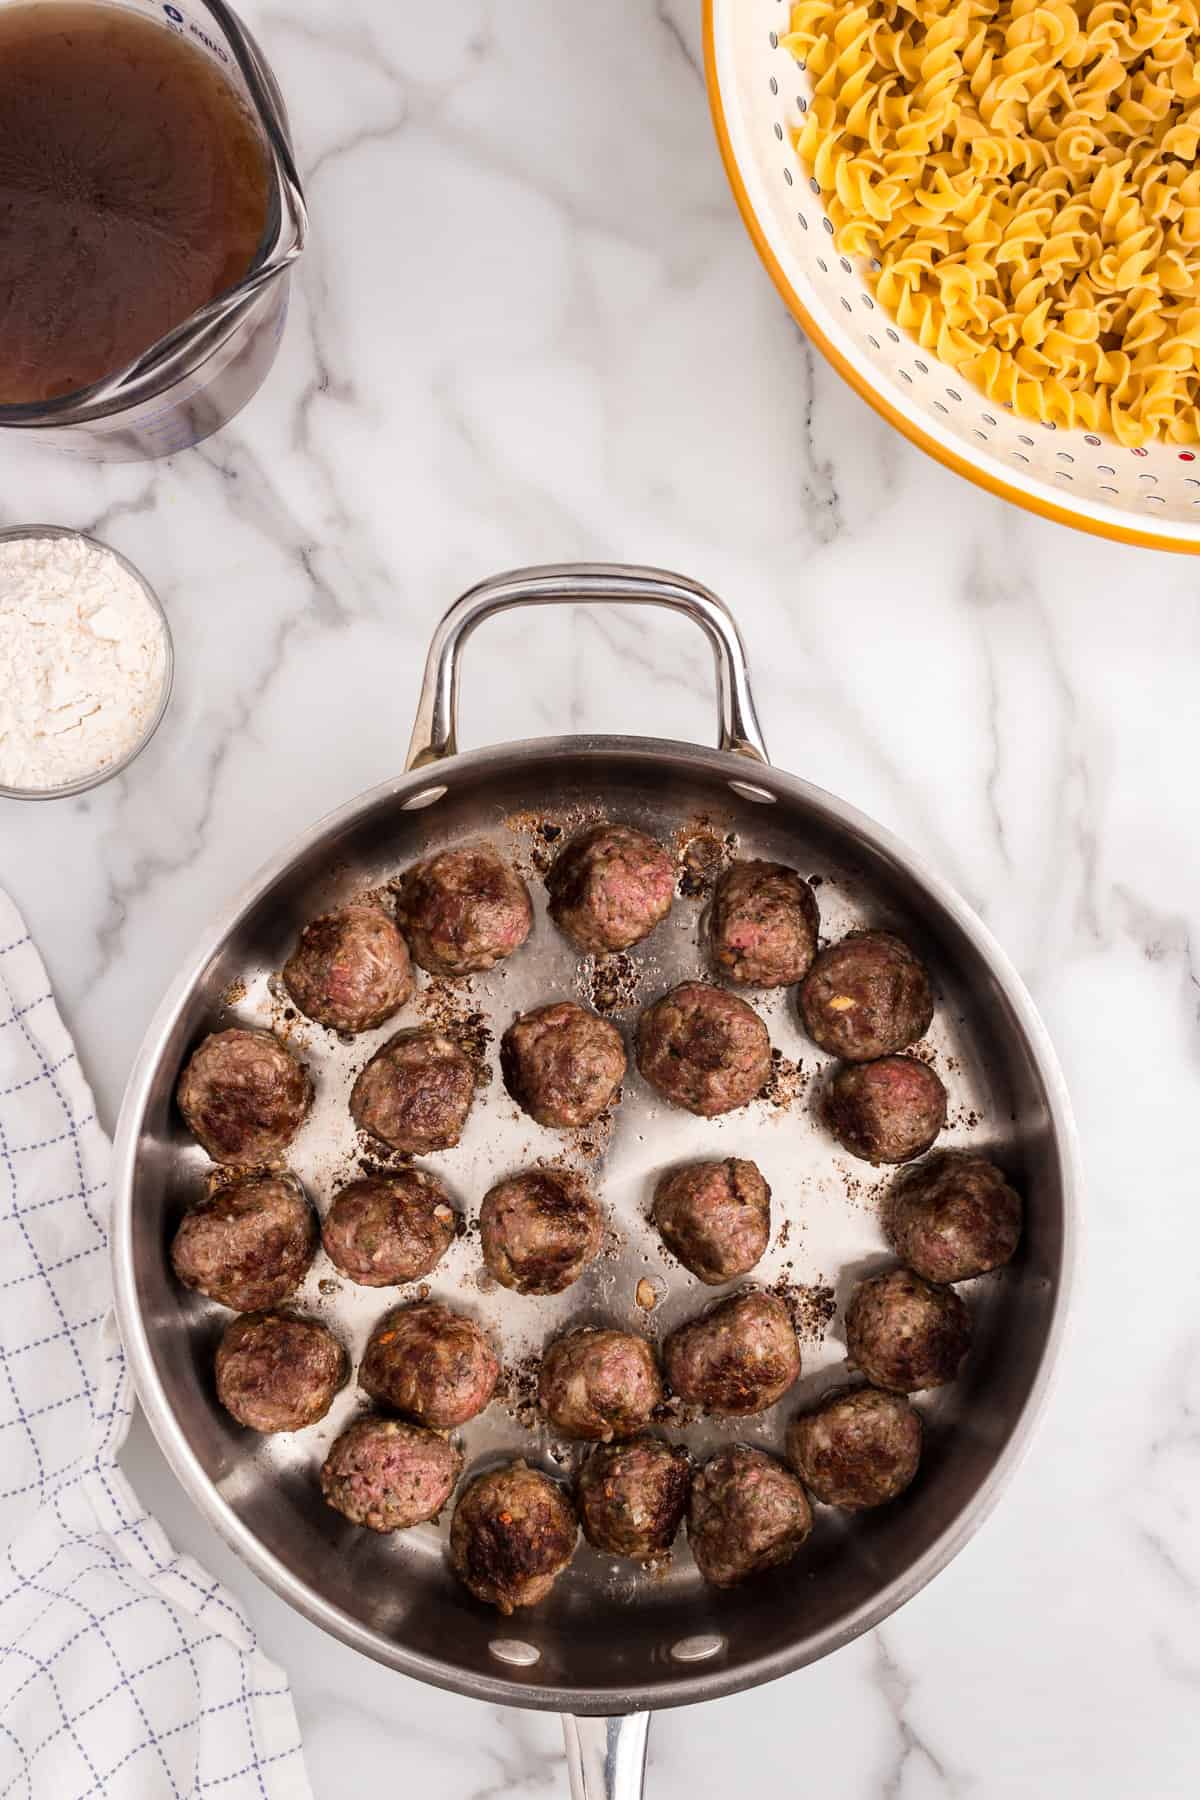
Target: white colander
x=758, y=92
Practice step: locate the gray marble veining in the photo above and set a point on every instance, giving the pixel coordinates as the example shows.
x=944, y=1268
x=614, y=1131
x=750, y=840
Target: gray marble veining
x=531, y=327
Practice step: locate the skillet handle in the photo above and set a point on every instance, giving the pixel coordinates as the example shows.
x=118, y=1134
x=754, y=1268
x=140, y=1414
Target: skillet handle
x=606, y=1758
x=435, y=734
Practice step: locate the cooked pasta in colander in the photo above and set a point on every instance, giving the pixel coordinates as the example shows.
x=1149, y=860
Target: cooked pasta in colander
x=1022, y=175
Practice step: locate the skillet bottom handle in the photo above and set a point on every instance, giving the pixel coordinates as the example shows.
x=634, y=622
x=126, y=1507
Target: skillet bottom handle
x=606, y=1758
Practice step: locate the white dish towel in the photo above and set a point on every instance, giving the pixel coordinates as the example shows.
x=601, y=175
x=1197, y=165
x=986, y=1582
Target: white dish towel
x=126, y=1672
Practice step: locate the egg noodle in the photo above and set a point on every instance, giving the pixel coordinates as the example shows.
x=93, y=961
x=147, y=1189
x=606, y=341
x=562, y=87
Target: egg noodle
x=1023, y=174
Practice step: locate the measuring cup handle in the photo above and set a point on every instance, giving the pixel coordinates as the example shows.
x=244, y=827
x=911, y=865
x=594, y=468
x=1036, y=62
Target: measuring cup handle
x=435, y=733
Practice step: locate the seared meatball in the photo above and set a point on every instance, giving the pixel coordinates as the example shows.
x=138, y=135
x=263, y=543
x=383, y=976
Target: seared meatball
x=514, y=1532
x=866, y=997
x=763, y=925
x=244, y=1096
x=464, y=910
x=599, y=1385
x=416, y=1092
x=955, y=1217
x=746, y=1513
x=539, y=1230
x=856, y=1449
x=278, y=1373
x=609, y=887
x=430, y=1362
x=887, y=1111
x=737, y=1358
x=350, y=970
x=631, y=1497
x=388, y=1475
x=249, y=1244
x=386, y=1229
x=905, y=1334
x=561, y=1064
x=704, y=1049
x=715, y=1216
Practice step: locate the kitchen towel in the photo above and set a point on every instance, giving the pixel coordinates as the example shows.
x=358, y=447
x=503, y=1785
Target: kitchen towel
x=125, y=1671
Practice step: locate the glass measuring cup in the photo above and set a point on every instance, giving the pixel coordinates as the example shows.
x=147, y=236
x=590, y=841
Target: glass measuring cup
x=204, y=371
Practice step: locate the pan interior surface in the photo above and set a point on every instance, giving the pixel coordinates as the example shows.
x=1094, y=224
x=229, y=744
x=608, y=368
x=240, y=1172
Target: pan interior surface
x=610, y=1637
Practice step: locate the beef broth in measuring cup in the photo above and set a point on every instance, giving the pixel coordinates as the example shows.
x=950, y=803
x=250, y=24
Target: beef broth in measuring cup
x=146, y=189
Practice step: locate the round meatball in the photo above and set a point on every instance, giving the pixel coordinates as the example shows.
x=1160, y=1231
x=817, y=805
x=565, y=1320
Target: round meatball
x=514, y=1532
x=244, y=1096
x=746, y=1513
x=435, y=1364
x=703, y=1049
x=539, y=1230
x=866, y=997
x=715, y=1217
x=763, y=925
x=738, y=1358
x=599, y=1385
x=561, y=1064
x=905, y=1334
x=631, y=1497
x=464, y=910
x=887, y=1111
x=416, y=1092
x=856, y=1449
x=350, y=970
x=248, y=1245
x=386, y=1229
x=955, y=1217
x=388, y=1475
x=278, y=1373
x=609, y=887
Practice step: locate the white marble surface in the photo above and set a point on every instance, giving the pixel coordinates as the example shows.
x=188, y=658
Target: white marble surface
x=530, y=327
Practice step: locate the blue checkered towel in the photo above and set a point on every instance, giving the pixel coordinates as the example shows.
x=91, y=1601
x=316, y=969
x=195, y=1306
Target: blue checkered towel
x=125, y=1671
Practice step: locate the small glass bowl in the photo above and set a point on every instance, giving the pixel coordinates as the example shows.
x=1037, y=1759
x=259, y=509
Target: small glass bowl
x=87, y=782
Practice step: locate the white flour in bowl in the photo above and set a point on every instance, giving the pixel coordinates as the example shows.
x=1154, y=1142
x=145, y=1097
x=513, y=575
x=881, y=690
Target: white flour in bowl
x=83, y=659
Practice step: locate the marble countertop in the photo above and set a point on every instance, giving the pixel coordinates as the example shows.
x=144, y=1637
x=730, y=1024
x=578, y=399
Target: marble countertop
x=531, y=328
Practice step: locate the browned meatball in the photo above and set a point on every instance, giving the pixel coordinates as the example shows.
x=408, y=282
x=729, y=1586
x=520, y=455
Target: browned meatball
x=249, y=1244
x=866, y=997
x=435, y=1364
x=703, y=1049
x=631, y=1497
x=350, y=970
x=746, y=1513
x=244, y=1096
x=386, y=1229
x=561, y=1064
x=738, y=1358
x=763, y=925
x=955, y=1217
x=905, y=1334
x=887, y=1111
x=278, y=1373
x=539, y=1230
x=464, y=910
x=599, y=1385
x=388, y=1475
x=857, y=1449
x=715, y=1216
x=610, y=886
x=514, y=1532
x=416, y=1092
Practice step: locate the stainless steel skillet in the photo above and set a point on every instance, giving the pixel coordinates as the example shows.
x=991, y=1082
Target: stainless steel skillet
x=611, y=1644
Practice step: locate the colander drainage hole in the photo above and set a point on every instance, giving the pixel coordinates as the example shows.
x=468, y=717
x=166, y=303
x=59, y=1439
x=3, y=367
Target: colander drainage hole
x=697, y=1649
x=515, y=1651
